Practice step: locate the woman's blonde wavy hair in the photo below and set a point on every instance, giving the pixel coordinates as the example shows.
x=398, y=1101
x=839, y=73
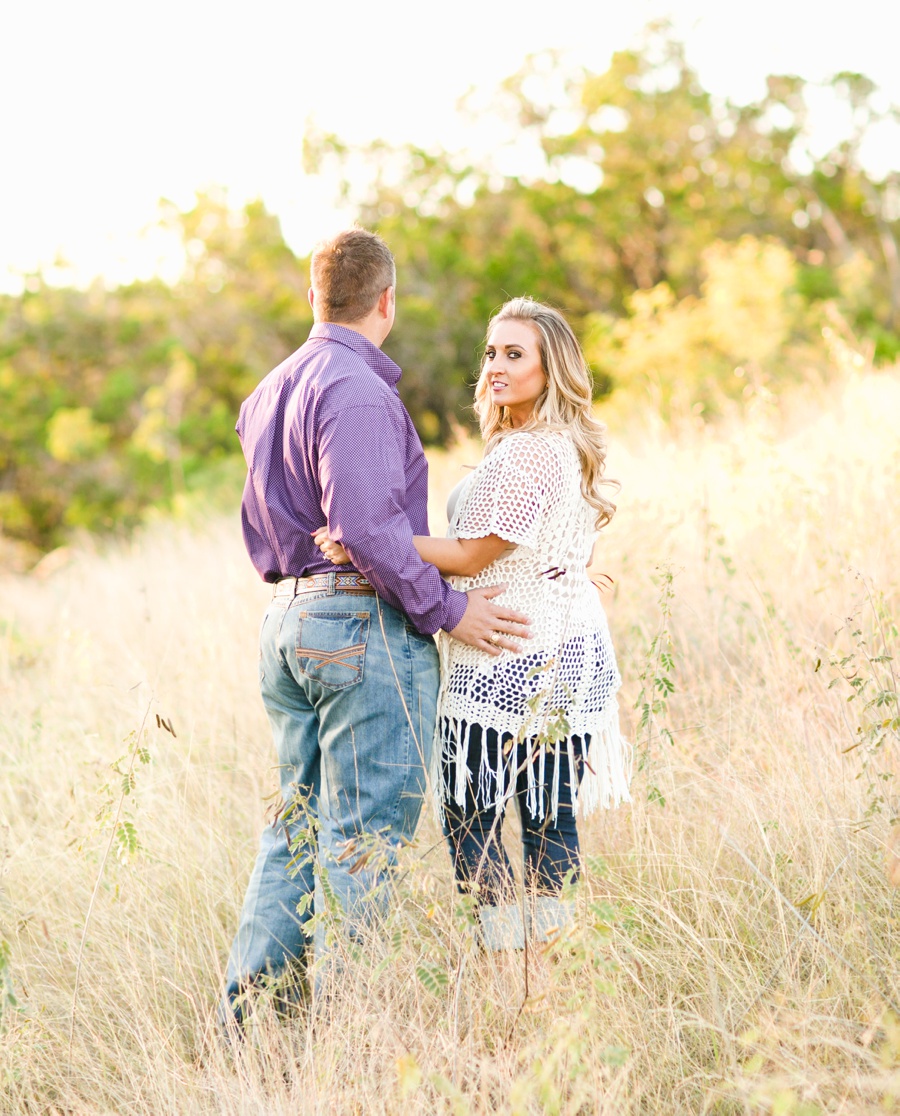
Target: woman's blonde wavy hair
x=564, y=404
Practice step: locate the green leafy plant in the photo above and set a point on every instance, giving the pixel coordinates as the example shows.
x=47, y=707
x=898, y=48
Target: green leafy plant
x=657, y=685
x=123, y=837
x=864, y=672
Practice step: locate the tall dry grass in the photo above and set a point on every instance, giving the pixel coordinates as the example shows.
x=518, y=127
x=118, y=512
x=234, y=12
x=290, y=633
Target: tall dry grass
x=737, y=943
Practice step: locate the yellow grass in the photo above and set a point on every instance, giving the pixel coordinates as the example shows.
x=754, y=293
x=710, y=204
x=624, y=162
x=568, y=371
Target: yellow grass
x=737, y=947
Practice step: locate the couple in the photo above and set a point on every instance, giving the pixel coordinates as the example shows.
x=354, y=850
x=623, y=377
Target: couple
x=349, y=671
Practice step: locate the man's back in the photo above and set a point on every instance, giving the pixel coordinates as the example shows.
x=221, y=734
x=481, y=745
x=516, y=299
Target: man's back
x=326, y=437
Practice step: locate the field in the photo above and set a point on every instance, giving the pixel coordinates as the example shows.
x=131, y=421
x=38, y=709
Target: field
x=738, y=941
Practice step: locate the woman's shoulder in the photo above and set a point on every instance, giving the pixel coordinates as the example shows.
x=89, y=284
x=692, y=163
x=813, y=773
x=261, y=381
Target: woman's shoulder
x=541, y=457
x=552, y=456
x=538, y=444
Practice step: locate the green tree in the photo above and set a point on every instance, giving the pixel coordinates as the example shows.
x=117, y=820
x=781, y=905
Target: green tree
x=113, y=401
x=642, y=170
x=694, y=244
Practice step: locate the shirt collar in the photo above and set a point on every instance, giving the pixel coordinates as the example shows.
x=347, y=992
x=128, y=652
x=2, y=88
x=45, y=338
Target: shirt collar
x=373, y=356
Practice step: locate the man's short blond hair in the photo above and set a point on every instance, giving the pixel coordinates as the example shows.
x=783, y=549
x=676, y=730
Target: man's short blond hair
x=349, y=274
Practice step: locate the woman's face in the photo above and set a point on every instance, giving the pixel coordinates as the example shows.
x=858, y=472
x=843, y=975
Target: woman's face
x=512, y=367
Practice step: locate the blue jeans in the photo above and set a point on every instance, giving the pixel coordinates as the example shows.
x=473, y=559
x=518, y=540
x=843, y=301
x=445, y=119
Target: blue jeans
x=350, y=689
x=473, y=829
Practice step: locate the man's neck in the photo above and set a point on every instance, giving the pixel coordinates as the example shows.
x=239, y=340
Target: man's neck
x=371, y=330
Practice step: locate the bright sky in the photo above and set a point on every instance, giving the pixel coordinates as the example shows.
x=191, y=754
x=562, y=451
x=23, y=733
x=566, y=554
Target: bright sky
x=109, y=105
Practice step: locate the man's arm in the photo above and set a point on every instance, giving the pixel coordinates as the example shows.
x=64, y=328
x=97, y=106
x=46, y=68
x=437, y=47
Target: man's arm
x=361, y=456
x=361, y=473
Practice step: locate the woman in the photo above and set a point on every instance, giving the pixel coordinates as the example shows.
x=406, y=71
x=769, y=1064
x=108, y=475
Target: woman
x=540, y=728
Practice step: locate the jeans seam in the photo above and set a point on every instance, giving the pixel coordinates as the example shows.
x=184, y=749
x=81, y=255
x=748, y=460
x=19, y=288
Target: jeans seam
x=395, y=817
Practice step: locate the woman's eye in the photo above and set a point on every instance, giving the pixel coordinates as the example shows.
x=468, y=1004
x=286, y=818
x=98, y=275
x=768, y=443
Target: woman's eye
x=513, y=353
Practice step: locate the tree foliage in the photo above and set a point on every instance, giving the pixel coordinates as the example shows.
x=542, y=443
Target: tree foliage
x=695, y=245
x=115, y=401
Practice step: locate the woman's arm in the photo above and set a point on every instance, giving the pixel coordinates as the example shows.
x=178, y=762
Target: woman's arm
x=460, y=557
x=453, y=557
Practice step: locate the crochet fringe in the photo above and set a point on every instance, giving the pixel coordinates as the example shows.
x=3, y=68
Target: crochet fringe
x=604, y=783
x=607, y=768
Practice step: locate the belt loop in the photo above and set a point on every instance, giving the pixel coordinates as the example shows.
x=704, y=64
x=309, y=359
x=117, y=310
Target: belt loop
x=332, y=577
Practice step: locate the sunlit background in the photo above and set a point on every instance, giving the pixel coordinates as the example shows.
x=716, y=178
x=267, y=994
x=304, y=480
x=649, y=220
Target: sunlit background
x=107, y=107
x=711, y=193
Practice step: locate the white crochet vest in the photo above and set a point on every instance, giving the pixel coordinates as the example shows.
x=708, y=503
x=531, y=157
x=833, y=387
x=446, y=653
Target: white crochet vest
x=565, y=680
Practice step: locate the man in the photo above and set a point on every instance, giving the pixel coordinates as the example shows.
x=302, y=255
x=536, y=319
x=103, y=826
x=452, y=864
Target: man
x=348, y=669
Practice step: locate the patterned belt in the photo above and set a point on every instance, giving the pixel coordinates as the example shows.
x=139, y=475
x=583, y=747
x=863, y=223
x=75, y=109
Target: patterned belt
x=324, y=583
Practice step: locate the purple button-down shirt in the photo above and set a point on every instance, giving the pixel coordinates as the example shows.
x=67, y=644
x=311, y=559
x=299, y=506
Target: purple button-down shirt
x=327, y=438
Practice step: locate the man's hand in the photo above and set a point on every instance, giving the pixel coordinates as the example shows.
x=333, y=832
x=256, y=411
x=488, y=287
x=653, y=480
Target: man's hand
x=488, y=626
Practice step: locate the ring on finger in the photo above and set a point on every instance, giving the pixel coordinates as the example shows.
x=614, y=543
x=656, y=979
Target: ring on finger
x=494, y=638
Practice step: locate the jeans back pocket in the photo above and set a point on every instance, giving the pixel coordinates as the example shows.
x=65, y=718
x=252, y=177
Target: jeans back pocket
x=331, y=647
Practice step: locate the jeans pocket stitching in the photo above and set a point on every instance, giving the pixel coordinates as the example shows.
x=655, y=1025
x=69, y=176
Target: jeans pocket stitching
x=312, y=660
x=336, y=657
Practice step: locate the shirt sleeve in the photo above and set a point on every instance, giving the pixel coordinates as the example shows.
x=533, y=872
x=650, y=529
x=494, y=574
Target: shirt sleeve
x=510, y=491
x=361, y=473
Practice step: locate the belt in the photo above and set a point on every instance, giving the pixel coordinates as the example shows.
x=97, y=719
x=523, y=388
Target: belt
x=330, y=583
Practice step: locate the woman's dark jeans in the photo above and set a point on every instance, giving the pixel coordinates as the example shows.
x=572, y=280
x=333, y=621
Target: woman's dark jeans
x=473, y=830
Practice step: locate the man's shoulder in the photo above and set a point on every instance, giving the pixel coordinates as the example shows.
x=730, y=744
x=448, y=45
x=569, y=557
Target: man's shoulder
x=334, y=371
x=321, y=381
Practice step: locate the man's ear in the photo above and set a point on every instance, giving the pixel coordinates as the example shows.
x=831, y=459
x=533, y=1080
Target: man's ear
x=384, y=303
x=311, y=296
